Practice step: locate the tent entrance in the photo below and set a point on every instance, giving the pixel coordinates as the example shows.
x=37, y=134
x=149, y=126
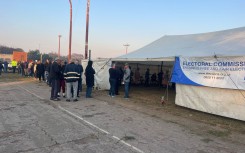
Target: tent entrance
x=150, y=75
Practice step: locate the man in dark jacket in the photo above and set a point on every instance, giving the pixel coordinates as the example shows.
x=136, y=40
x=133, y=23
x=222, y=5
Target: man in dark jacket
x=5, y=63
x=40, y=70
x=80, y=68
x=1, y=67
x=113, y=79
x=71, y=75
x=62, y=79
x=55, y=77
x=119, y=79
x=48, y=69
x=89, y=73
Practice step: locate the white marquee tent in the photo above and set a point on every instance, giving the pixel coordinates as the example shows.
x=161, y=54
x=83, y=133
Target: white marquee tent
x=227, y=43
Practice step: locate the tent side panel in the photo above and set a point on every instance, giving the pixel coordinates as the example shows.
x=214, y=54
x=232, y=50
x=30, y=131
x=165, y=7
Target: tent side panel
x=224, y=102
x=101, y=77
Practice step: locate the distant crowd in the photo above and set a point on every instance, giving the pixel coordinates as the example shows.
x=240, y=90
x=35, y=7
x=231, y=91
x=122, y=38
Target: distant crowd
x=66, y=79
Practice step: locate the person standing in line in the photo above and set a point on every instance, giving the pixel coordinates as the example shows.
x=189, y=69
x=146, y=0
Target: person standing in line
x=71, y=75
x=46, y=72
x=29, y=68
x=159, y=76
x=131, y=77
x=1, y=67
x=26, y=68
x=119, y=79
x=40, y=70
x=14, y=65
x=35, y=69
x=5, y=63
x=137, y=76
x=22, y=65
x=147, y=77
x=49, y=70
x=19, y=67
x=112, y=79
x=55, y=77
x=126, y=80
x=89, y=73
x=80, y=68
x=62, y=79
x=32, y=68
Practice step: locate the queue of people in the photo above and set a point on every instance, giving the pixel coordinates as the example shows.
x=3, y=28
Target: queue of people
x=71, y=73
x=116, y=76
x=66, y=79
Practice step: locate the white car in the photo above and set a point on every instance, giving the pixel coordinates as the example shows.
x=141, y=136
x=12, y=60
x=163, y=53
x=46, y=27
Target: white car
x=9, y=66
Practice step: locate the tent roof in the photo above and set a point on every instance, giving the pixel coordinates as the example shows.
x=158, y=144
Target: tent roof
x=222, y=43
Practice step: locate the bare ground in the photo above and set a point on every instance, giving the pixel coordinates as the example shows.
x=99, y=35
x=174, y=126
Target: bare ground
x=148, y=101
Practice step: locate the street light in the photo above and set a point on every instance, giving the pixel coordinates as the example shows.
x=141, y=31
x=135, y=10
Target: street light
x=87, y=26
x=59, y=47
x=69, y=55
x=126, y=46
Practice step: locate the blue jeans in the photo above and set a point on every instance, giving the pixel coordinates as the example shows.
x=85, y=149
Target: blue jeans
x=6, y=69
x=88, y=92
x=126, y=86
x=69, y=85
x=113, y=87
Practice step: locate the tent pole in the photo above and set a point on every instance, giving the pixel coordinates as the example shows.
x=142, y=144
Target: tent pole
x=161, y=65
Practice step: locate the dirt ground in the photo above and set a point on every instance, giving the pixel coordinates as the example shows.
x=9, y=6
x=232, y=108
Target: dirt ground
x=10, y=77
x=147, y=100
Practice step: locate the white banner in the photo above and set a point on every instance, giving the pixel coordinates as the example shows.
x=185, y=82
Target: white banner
x=221, y=72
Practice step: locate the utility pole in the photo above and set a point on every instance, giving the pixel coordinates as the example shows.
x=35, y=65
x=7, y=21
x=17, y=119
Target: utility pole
x=126, y=46
x=59, y=47
x=87, y=28
x=69, y=55
x=89, y=57
x=41, y=56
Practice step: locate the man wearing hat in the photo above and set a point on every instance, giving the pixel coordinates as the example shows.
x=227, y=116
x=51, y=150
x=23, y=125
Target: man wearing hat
x=126, y=79
x=55, y=79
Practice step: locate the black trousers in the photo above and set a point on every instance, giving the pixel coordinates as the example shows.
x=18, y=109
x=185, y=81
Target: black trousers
x=113, y=86
x=55, y=88
x=14, y=68
x=118, y=83
x=41, y=75
x=79, y=88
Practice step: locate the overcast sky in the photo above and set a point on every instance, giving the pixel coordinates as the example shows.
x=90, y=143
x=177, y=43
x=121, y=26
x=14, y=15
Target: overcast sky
x=34, y=24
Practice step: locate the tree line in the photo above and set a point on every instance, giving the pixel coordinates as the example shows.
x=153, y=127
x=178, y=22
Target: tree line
x=33, y=55
x=9, y=50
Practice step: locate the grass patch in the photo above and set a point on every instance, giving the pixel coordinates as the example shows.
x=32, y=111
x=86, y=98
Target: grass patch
x=219, y=133
x=11, y=77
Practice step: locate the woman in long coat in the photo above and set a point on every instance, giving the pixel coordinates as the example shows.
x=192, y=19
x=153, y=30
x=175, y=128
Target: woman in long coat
x=89, y=73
